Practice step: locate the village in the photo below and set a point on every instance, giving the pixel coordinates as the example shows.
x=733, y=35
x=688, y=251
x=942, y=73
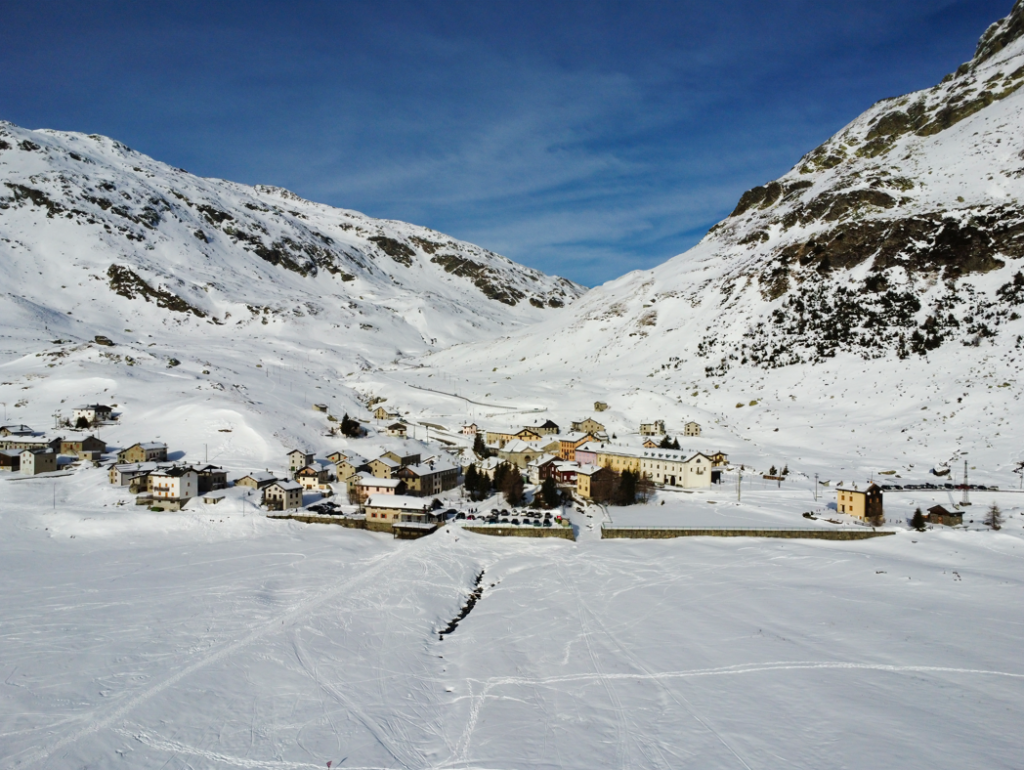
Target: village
x=528, y=475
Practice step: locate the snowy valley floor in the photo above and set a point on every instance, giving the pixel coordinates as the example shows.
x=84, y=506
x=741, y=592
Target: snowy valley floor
x=220, y=640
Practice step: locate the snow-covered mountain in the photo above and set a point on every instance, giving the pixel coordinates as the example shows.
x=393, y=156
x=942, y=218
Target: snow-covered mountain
x=215, y=278
x=879, y=277
x=86, y=211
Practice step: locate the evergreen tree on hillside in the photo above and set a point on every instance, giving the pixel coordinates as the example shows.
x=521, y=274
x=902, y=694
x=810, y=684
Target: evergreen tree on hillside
x=627, y=488
x=993, y=517
x=350, y=427
x=666, y=442
x=918, y=521
x=480, y=448
x=675, y=443
x=471, y=480
x=514, y=493
x=501, y=477
x=549, y=493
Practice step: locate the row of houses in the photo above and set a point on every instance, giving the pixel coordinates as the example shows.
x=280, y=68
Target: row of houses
x=394, y=473
x=21, y=451
x=657, y=428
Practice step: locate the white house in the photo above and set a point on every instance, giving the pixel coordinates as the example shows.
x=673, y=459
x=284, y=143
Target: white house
x=656, y=428
x=298, y=459
x=392, y=508
x=283, y=495
x=397, y=430
x=691, y=429
x=677, y=469
x=92, y=413
x=470, y=430
x=35, y=461
x=177, y=483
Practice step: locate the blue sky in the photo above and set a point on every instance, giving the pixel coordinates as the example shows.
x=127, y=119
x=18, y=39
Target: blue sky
x=585, y=139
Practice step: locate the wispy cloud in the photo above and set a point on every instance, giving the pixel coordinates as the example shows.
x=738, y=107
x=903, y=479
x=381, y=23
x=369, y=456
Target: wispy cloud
x=586, y=138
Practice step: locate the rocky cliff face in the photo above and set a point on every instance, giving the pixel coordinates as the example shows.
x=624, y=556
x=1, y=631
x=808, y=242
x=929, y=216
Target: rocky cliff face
x=900, y=234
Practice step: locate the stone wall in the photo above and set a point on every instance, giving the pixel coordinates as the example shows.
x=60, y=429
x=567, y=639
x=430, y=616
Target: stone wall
x=562, y=532
x=809, y=534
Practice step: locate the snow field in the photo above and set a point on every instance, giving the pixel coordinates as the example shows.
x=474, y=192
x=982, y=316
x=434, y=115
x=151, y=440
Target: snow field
x=213, y=639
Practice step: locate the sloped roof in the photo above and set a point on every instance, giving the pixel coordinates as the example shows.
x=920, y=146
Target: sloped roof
x=259, y=476
x=286, y=485
x=403, y=502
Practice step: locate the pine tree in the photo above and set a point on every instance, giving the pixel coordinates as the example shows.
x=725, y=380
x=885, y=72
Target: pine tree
x=993, y=517
x=549, y=493
x=666, y=443
x=918, y=521
x=350, y=427
x=514, y=488
x=500, y=477
x=480, y=448
x=471, y=480
x=82, y=422
x=675, y=443
x=627, y=488
x=772, y=471
x=785, y=471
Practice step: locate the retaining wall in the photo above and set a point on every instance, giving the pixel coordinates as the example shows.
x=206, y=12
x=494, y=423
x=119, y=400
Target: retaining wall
x=608, y=533
x=373, y=526
x=563, y=532
x=339, y=520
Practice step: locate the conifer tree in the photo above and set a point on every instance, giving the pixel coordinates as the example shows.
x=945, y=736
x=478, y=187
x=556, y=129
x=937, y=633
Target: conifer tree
x=993, y=517
x=918, y=521
x=549, y=493
x=471, y=480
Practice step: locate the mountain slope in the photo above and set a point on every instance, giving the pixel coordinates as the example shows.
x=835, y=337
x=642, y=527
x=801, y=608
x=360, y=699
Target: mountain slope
x=208, y=279
x=879, y=276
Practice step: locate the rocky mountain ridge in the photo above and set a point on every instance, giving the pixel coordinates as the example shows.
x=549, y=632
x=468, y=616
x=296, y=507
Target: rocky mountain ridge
x=216, y=252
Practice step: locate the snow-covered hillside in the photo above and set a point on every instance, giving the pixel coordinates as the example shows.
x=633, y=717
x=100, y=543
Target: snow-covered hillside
x=259, y=296
x=870, y=299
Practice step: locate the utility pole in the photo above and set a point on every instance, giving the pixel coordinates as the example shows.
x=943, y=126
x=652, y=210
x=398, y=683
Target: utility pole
x=966, y=499
x=815, y=487
x=739, y=485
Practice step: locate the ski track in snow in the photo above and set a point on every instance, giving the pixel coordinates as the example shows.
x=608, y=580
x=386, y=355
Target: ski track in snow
x=293, y=614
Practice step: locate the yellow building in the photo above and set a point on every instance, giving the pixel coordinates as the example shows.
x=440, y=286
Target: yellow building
x=865, y=505
x=618, y=460
x=568, y=444
x=593, y=482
